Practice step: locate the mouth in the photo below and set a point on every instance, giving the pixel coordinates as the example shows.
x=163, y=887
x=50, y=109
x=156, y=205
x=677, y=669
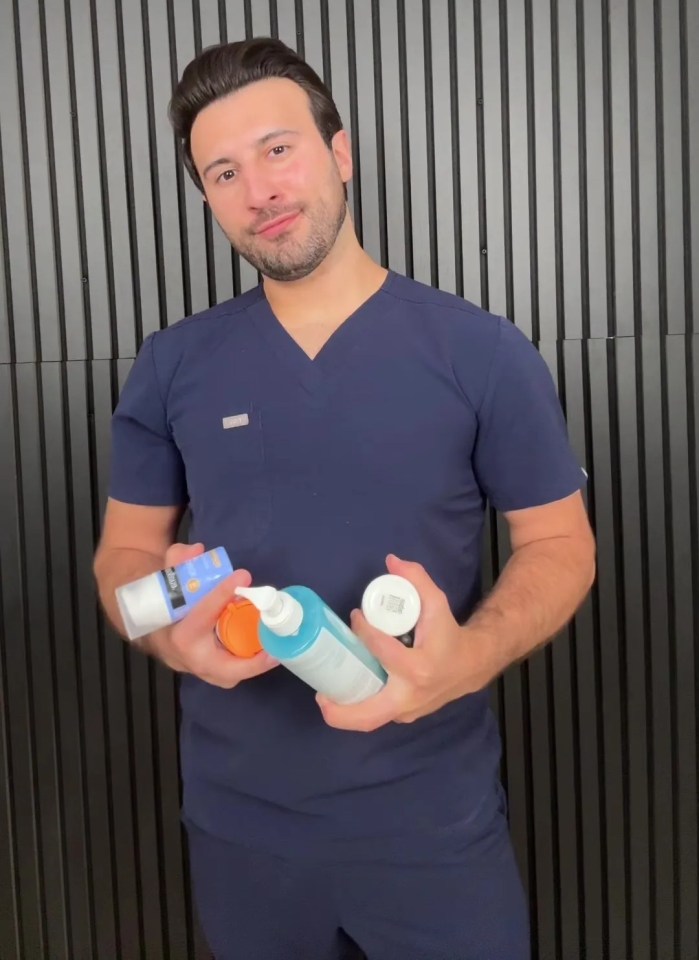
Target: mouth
x=275, y=227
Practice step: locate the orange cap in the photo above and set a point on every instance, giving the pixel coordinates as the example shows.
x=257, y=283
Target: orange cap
x=236, y=628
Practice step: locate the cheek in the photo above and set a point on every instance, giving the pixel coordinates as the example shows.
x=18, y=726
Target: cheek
x=295, y=180
x=227, y=209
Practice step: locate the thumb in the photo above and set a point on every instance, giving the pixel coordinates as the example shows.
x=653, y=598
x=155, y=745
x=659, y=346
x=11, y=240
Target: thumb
x=181, y=552
x=202, y=618
x=393, y=656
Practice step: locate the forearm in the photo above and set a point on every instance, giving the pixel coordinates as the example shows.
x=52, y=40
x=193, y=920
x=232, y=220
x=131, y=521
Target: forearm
x=116, y=566
x=539, y=590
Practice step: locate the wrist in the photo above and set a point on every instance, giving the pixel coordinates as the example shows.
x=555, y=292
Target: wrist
x=155, y=644
x=483, y=659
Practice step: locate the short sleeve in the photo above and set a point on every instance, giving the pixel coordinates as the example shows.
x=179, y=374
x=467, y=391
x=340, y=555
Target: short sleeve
x=146, y=466
x=522, y=455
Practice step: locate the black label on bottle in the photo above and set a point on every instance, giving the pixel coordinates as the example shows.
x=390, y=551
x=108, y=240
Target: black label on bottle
x=173, y=588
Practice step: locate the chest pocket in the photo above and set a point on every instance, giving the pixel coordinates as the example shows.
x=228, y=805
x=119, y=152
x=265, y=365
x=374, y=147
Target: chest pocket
x=227, y=478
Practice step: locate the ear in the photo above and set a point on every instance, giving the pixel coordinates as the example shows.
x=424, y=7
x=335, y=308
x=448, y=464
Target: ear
x=342, y=151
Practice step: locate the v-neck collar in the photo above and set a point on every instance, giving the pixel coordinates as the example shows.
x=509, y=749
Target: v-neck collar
x=314, y=374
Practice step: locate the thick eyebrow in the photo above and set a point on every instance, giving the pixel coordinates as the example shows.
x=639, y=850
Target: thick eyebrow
x=272, y=135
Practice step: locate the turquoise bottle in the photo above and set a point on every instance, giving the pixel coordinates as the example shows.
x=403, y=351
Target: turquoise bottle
x=309, y=639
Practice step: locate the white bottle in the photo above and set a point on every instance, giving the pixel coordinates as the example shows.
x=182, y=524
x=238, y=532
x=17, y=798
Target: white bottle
x=166, y=596
x=392, y=604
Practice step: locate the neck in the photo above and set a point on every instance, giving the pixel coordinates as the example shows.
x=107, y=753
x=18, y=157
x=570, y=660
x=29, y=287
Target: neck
x=346, y=278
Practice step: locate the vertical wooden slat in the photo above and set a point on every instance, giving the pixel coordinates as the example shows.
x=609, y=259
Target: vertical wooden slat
x=655, y=492
x=543, y=763
x=62, y=173
x=463, y=52
x=6, y=332
x=111, y=912
x=24, y=330
x=493, y=252
x=520, y=308
x=689, y=38
x=668, y=39
x=39, y=643
x=609, y=655
x=339, y=59
x=441, y=94
x=591, y=54
x=636, y=665
x=571, y=168
x=587, y=717
x=32, y=97
x=69, y=726
x=621, y=158
x=364, y=133
x=18, y=862
x=543, y=153
x=681, y=446
x=90, y=180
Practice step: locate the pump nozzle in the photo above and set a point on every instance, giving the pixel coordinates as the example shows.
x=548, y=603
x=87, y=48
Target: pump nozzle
x=279, y=611
x=266, y=599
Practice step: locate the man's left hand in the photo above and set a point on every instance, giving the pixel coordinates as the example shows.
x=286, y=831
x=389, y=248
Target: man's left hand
x=443, y=664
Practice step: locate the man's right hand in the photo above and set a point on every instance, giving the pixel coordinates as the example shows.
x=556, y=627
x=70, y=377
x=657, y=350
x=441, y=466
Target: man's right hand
x=191, y=646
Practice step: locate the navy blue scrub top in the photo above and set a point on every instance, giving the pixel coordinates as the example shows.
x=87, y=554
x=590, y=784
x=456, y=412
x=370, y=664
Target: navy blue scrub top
x=419, y=411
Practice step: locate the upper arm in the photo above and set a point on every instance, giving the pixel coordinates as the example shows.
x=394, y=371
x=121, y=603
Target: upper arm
x=146, y=464
x=562, y=518
x=522, y=456
x=132, y=526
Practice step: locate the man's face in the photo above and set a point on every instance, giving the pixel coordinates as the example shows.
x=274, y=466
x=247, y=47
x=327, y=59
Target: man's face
x=273, y=185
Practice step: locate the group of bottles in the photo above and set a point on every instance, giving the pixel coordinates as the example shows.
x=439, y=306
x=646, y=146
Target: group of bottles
x=293, y=625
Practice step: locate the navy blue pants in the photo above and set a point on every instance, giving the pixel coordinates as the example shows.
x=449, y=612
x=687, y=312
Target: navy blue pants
x=461, y=901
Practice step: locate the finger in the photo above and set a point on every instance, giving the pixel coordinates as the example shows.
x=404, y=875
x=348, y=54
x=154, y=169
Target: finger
x=202, y=618
x=370, y=714
x=178, y=553
x=260, y=663
x=432, y=599
x=393, y=655
x=216, y=665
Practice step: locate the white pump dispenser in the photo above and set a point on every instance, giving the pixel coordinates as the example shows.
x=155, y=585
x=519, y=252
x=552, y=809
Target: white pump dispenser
x=281, y=612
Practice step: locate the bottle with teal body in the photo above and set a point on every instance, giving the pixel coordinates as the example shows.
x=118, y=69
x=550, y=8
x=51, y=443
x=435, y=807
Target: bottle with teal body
x=309, y=639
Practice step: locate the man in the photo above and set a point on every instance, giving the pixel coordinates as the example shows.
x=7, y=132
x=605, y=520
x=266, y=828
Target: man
x=377, y=417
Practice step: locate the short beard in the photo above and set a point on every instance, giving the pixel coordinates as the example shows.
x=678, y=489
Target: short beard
x=298, y=262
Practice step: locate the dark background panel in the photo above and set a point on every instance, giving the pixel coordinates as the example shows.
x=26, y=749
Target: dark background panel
x=539, y=157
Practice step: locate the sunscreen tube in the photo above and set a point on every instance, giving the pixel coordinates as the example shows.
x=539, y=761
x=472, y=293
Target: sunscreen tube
x=392, y=604
x=162, y=598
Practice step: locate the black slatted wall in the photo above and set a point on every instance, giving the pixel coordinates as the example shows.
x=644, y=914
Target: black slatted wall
x=540, y=157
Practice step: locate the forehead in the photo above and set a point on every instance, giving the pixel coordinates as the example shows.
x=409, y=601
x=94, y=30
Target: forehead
x=241, y=118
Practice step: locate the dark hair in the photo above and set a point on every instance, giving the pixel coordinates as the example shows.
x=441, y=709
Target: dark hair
x=227, y=67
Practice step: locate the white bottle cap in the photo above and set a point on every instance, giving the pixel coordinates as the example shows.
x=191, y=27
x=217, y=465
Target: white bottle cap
x=142, y=606
x=391, y=604
x=281, y=612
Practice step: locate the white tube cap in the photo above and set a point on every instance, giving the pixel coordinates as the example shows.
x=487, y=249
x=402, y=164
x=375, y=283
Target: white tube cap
x=391, y=604
x=142, y=606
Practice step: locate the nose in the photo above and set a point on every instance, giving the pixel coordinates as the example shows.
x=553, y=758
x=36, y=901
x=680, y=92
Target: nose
x=261, y=189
